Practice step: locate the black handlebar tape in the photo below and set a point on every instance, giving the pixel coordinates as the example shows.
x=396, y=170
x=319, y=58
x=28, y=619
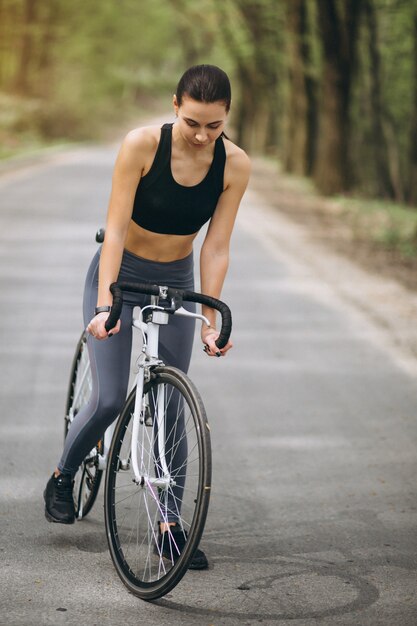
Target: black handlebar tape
x=116, y=308
x=117, y=291
x=190, y=296
x=221, y=307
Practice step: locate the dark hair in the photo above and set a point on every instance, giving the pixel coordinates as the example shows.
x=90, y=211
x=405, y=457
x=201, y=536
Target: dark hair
x=205, y=83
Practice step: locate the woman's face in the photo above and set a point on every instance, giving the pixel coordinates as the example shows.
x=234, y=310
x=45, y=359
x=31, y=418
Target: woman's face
x=200, y=123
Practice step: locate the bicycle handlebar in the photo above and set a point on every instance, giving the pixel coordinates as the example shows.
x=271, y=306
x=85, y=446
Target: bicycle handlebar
x=176, y=296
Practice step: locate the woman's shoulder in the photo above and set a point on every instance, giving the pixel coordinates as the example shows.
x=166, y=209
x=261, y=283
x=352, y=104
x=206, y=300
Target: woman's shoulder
x=144, y=138
x=139, y=147
x=237, y=161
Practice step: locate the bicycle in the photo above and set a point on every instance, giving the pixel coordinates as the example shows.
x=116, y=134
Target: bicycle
x=145, y=484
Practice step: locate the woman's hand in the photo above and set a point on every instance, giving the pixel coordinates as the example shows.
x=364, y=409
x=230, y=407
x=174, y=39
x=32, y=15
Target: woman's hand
x=208, y=337
x=96, y=327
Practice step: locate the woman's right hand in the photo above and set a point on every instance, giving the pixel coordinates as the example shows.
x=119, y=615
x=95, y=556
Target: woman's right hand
x=96, y=327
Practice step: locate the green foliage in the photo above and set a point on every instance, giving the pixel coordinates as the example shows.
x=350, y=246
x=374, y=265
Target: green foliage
x=395, y=42
x=71, y=67
x=80, y=63
x=390, y=224
x=396, y=46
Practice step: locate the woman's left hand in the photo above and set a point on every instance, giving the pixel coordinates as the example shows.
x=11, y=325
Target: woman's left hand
x=208, y=337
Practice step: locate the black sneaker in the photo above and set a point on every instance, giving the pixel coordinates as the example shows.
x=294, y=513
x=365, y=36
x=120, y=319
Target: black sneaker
x=172, y=542
x=59, y=503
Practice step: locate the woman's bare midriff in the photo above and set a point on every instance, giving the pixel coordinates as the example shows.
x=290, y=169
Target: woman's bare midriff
x=157, y=247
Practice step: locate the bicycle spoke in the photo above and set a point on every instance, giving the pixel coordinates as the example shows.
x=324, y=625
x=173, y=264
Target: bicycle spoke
x=169, y=488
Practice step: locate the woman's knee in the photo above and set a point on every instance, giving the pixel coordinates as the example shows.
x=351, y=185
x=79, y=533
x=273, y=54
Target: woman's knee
x=109, y=405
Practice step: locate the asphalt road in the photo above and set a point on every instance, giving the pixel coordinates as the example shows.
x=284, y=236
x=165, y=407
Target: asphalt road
x=313, y=512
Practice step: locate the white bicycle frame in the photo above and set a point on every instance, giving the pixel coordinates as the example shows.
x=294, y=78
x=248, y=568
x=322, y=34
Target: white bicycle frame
x=148, y=359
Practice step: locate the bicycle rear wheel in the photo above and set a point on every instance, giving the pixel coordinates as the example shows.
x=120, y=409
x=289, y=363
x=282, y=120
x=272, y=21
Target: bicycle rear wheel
x=87, y=479
x=133, y=511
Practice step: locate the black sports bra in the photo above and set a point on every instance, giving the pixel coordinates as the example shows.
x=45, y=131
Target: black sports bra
x=164, y=206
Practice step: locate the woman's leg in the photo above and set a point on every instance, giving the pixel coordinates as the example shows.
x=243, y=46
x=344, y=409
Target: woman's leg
x=176, y=340
x=110, y=365
x=110, y=362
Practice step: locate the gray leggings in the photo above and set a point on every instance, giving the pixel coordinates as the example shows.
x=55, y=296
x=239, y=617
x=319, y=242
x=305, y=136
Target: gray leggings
x=110, y=359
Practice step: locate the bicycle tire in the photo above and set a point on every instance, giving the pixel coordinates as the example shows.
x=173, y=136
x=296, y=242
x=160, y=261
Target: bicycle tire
x=132, y=510
x=88, y=478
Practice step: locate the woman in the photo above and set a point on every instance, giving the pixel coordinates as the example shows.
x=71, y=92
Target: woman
x=166, y=184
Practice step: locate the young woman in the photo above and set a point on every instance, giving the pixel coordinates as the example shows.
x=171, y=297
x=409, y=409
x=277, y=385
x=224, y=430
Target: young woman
x=166, y=184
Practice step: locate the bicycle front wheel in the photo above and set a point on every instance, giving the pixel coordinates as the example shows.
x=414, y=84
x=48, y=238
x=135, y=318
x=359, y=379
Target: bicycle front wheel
x=174, y=458
x=87, y=479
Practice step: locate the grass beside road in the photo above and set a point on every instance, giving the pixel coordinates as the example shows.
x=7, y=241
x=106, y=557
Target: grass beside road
x=387, y=224
x=377, y=234
x=21, y=128
x=30, y=125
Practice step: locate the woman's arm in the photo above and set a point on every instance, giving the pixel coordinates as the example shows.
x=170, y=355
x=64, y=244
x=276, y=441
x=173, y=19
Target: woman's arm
x=127, y=172
x=214, y=256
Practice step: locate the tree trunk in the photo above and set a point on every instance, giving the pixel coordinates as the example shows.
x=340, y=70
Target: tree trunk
x=391, y=132
x=243, y=114
x=384, y=182
x=261, y=22
x=45, y=83
x=22, y=80
x=412, y=175
x=3, y=44
x=300, y=117
x=255, y=115
x=10, y=29
x=338, y=33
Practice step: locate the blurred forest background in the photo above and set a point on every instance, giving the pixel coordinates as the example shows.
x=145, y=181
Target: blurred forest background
x=328, y=88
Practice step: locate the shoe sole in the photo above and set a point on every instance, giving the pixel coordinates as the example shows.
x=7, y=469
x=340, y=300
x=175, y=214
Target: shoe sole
x=194, y=566
x=53, y=519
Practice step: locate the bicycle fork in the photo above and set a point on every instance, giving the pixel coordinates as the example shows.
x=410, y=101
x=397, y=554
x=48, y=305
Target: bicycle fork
x=150, y=332
x=141, y=412
x=140, y=417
